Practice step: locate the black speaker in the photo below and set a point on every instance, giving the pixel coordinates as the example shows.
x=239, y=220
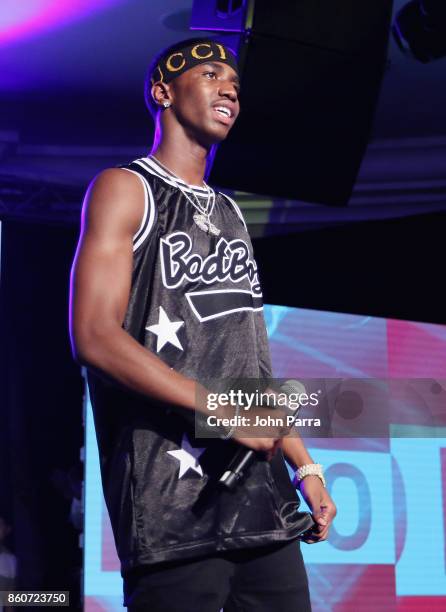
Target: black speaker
x=311, y=75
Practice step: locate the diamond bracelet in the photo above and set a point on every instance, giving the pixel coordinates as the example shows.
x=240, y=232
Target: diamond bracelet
x=309, y=469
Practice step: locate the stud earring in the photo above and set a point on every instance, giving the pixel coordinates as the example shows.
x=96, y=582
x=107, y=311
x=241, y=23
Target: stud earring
x=166, y=104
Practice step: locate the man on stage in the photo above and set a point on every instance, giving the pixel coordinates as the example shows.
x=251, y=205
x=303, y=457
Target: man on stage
x=165, y=293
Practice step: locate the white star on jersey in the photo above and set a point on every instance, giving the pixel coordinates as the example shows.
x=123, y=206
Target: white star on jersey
x=187, y=455
x=165, y=331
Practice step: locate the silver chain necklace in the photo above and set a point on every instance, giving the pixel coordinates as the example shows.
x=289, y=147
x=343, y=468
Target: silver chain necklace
x=203, y=213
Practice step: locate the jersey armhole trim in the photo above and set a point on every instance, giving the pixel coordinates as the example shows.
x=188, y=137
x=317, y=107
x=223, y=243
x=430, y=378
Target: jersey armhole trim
x=148, y=218
x=236, y=208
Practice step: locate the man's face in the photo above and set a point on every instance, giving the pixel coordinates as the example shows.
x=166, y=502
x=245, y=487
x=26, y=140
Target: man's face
x=205, y=101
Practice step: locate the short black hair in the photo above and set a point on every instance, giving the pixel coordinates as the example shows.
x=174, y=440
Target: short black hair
x=150, y=102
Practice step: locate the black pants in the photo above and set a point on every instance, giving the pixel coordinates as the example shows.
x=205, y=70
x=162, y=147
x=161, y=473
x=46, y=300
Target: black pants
x=267, y=579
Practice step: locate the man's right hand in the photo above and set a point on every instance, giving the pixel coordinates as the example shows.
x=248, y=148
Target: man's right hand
x=261, y=438
x=269, y=446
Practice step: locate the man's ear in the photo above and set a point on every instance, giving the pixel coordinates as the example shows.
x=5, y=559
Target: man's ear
x=160, y=93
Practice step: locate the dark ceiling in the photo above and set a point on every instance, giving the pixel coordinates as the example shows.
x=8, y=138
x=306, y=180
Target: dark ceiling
x=73, y=73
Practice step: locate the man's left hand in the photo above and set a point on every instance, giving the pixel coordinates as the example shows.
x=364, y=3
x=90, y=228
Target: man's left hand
x=321, y=505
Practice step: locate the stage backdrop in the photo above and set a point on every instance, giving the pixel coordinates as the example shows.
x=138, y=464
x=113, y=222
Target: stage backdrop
x=387, y=545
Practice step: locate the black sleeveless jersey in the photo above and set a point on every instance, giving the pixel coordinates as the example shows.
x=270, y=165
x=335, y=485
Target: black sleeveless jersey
x=196, y=303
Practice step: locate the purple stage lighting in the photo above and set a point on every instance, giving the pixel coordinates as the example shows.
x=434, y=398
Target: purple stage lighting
x=20, y=20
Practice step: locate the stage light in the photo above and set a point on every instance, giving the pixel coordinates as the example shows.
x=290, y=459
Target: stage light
x=420, y=29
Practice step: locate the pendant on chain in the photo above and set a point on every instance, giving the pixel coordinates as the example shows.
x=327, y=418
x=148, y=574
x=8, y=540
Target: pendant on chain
x=205, y=224
x=213, y=229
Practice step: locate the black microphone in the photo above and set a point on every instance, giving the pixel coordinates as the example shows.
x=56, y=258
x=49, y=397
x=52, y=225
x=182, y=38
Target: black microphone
x=244, y=457
x=236, y=469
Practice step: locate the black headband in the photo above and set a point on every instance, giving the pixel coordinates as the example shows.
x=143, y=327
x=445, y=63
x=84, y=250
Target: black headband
x=176, y=62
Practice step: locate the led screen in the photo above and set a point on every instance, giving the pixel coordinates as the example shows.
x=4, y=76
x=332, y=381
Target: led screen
x=387, y=545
